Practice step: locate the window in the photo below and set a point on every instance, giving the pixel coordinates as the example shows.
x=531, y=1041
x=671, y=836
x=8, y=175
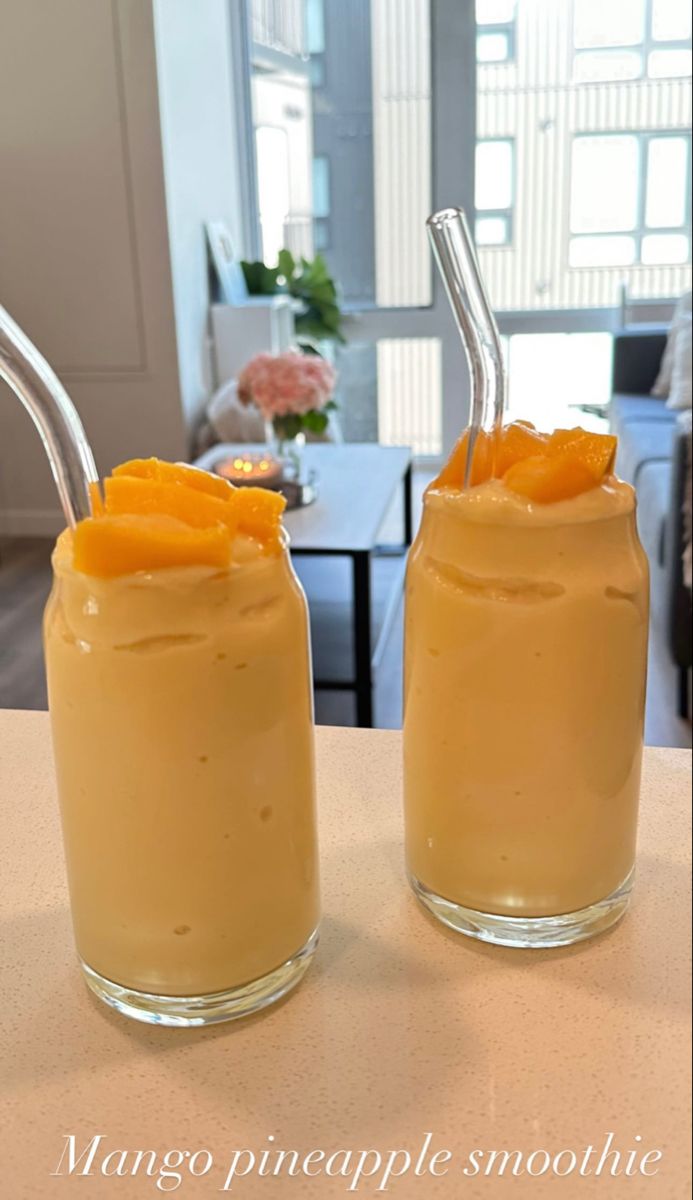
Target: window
x=629, y=200
x=495, y=36
x=671, y=21
x=321, y=202
x=616, y=23
x=494, y=192
x=315, y=41
x=658, y=32
x=272, y=150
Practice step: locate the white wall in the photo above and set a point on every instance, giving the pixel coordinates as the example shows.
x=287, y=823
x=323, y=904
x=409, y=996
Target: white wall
x=84, y=264
x=201, y=155
x=102, y=259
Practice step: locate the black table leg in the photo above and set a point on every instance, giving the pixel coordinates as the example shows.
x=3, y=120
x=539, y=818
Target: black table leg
x=361, y=560
x=408, y=515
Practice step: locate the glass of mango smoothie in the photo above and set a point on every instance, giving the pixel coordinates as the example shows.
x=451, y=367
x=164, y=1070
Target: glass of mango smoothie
x=180, y=695
x=526, y=647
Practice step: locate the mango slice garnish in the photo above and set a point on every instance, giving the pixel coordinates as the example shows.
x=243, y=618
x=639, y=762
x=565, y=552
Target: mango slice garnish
x=157, y=514
x=121, y=545
x=542, y=467
x=141, y=496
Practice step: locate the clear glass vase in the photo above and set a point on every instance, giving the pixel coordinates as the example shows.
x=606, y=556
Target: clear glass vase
x=287, y=444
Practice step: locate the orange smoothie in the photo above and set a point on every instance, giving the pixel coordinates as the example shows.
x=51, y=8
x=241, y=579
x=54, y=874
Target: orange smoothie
x=526, y=645
x=181, y=709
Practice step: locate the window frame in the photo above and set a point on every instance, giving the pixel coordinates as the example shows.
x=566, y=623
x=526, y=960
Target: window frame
x=641, y=229
x=644, y=48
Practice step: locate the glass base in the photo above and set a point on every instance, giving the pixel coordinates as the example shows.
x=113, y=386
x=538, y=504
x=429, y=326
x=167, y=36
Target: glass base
x=187, y=1011
x=539, y=933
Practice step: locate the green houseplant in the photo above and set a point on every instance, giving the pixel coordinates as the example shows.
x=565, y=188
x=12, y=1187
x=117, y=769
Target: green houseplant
x=310, y=283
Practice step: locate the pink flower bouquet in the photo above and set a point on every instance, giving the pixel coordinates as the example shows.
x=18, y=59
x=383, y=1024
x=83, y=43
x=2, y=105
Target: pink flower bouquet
x=292, y=391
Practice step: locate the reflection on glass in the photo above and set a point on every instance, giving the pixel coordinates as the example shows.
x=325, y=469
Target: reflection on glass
x=595, y=66
x=602, y=251
x=667, y=168
x=615, y=23
x=671, y=20
x=661, y=248
x=669, y=64
x=604, y=184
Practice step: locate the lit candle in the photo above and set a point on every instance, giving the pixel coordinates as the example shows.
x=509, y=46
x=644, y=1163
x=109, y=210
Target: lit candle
x=260, y=470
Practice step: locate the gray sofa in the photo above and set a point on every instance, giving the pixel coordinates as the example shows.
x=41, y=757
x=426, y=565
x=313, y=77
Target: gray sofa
x=652, y=456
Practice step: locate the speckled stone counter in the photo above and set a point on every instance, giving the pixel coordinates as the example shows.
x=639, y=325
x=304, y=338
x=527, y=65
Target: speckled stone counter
x=400, y=1030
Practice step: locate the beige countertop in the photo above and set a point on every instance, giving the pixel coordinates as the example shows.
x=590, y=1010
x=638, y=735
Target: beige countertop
x=400, y=1029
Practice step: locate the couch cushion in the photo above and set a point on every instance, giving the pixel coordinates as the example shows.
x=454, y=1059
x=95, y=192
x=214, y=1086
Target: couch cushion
x=624, y=409
x=642, y=442
x=654, y=487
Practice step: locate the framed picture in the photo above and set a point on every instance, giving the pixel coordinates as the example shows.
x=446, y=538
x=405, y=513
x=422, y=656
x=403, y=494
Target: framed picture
x=232, y=289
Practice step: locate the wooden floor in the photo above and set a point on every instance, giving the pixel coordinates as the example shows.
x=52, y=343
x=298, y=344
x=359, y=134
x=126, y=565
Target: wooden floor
x=25, y=582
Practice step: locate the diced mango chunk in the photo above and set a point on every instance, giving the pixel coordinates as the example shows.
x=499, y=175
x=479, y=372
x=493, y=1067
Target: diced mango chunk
x=145, y=496
x=120, y=545
x=596, y=451
x=452, y=474
x=546, y=479
x=517, y=441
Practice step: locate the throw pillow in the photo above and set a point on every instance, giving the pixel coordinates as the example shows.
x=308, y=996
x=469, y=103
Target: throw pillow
x=682, y=312
x=680, y=394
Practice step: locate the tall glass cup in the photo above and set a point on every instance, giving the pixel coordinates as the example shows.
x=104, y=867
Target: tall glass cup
x=526, y=647
x=181, y=710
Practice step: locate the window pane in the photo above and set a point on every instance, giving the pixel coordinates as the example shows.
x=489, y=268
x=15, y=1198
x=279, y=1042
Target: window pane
x=315, y=26
x=492, y=231
x=551, y=373
x=492, y=47
x=495, y=12
x=665, y=248
x=671, y=20
x=401, y=83
x=667, y=177
x=409, y=393
x=321, y=186
x=279, y=25
x=610, y=23
x=321, y=234
x=272, y=151
x=604, y=184
x=593, y=66
x=494, y=175
x=669, y=64
x=602, y=251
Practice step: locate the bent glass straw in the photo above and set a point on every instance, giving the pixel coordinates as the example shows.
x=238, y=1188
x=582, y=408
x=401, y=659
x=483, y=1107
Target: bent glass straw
x=55, y=417
x=454, y=252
